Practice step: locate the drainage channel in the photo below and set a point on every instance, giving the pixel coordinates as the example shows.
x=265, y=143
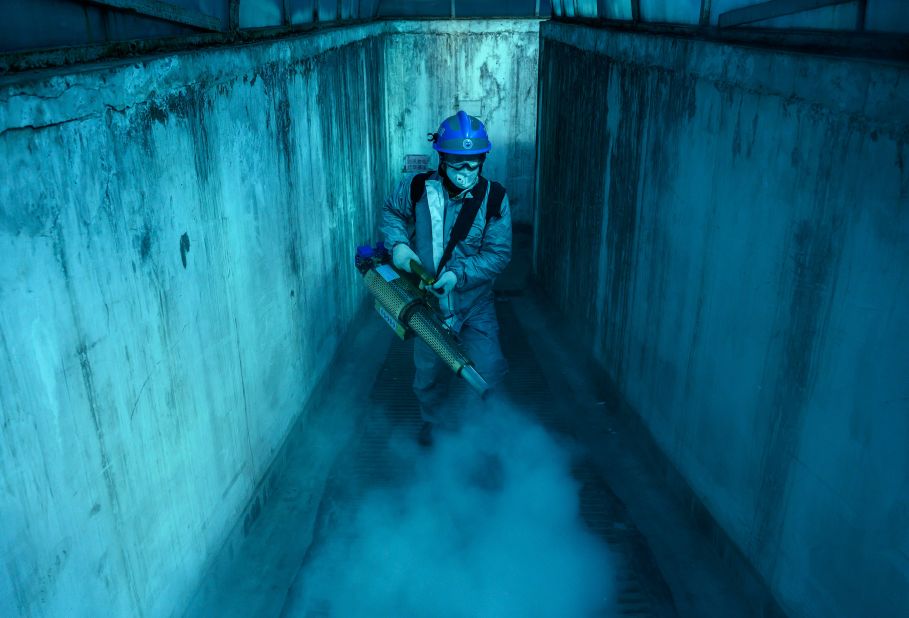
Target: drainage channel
x=638, y=587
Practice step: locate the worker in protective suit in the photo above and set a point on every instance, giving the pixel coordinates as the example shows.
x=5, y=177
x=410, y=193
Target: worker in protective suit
x=457, y=225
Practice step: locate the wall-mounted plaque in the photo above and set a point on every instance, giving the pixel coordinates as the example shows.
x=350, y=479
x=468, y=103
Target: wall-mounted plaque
x=415, y=164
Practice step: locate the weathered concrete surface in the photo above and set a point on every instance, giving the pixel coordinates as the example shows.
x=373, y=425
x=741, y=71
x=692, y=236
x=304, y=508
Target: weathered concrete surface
x=486, y=67
x=730, y=226
x=255, y=571
x=176, y=235
x=176, y=238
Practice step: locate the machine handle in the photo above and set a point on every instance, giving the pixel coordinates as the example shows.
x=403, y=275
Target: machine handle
x=417, y=269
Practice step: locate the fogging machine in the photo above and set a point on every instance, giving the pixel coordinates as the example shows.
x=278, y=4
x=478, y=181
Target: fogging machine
x=405, y=307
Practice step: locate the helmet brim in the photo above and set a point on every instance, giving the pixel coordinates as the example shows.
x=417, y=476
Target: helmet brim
x=483, y=150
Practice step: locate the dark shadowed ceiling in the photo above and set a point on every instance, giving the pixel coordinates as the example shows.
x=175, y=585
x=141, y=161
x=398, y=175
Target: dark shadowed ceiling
x=41, y=24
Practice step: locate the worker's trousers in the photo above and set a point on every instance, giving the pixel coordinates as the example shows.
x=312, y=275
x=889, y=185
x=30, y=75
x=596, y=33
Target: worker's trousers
x=479, y=335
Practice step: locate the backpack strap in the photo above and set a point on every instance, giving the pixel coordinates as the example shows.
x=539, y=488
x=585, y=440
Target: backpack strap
x=494, y=204
x=462, y=224
x=492, y=192
x=418, y=187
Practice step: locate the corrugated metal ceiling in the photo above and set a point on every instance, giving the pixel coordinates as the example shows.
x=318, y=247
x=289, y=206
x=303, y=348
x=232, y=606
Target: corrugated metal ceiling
x=41, y=24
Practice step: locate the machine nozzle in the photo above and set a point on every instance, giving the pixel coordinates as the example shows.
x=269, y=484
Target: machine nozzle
x=475, y=380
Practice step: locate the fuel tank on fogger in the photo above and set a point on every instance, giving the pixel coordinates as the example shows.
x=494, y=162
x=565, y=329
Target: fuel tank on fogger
x=405, y=308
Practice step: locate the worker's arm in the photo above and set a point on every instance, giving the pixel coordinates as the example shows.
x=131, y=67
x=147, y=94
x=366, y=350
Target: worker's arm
x=493, y=257
x=398, y=215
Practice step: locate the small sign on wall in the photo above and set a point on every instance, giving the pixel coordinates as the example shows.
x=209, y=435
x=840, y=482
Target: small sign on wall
x=415, y=164
x=473, y=107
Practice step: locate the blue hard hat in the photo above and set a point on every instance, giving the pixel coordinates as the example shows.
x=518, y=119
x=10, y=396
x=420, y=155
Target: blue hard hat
x=461, y=134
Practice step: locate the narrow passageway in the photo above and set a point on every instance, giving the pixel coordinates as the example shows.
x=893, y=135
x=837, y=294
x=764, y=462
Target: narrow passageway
x=704, y=205
x=384, y=534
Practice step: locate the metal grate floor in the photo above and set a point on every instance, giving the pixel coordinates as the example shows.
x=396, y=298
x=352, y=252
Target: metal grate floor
x=640, y=589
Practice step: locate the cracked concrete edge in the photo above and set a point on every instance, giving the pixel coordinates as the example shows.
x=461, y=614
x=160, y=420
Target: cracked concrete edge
x=56, y=96
x=52, y=97
x=869, y=90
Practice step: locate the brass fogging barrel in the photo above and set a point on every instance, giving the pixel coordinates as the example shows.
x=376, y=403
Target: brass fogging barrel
x=403, y=306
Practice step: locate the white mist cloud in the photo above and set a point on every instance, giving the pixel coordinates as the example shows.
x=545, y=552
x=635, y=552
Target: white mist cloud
x=487, y=524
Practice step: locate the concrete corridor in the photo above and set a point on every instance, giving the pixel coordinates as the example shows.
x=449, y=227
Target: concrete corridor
x=664, y=564
x=705, y=316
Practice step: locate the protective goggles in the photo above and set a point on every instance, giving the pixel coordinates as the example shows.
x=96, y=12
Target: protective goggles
x=463, y=165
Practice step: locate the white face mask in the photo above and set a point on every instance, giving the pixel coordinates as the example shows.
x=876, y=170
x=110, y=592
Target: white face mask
x=462, y=179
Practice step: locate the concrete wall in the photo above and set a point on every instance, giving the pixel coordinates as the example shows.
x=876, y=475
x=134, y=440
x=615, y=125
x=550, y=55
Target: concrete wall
x=488, y=68
x=176, y=237
x=730, y=227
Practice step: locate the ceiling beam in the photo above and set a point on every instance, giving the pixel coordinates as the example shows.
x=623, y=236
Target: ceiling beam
x=165, y=11
x=704, y=19
x=861, y=10
x=233, y=15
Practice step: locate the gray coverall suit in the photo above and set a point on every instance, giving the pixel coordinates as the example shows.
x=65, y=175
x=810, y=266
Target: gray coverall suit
x=426, y=227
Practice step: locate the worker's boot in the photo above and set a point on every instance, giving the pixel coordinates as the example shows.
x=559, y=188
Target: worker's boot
x=425, y=436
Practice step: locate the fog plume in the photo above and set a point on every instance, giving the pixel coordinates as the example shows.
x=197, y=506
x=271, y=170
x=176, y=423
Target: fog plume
x=486, y=523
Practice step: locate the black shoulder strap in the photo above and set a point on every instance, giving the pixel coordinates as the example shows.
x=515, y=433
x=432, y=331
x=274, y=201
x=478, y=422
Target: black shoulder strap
x=418, y=187
x=468, y=212
x=494, y=204
x=465, y=219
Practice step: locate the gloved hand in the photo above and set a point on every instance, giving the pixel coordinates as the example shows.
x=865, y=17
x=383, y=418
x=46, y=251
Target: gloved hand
x=401, y=256
x=444, y=284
